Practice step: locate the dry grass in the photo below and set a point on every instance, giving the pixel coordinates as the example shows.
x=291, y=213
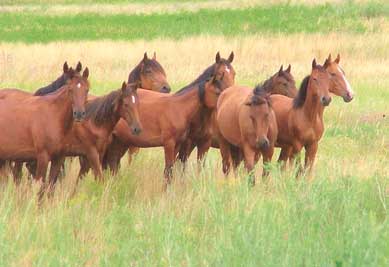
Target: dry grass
x=256, y=57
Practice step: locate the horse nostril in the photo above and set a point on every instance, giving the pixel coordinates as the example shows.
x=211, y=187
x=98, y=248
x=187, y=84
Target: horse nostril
x=165, y=89
x=136, y=130
x=263, y=143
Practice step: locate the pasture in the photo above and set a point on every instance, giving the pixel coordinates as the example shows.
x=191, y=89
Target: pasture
x=340, y=218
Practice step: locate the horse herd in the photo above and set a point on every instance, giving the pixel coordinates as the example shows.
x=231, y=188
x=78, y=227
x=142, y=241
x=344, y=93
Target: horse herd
x=63, y=120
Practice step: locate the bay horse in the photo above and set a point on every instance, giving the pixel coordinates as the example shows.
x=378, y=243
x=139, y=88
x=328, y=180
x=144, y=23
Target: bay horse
x=339, y=86
x=90, y=138
x=166, y=119
x=300, y=120
x=200, y=133
x=245, y=120
x=17, y=95
x=203, y=134
x=35, y=128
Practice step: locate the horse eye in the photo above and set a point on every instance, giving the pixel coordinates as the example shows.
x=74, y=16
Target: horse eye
x=333, y=74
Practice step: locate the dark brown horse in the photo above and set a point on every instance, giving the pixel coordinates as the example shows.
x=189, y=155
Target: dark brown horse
x=42, y=123
x=90, y=138
x=300, y=120
x=339, y=86
x=203, y=136
x=166, y=118
x=245, y=120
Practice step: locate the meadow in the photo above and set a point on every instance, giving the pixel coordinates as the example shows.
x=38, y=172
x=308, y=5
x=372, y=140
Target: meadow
x=340, y=218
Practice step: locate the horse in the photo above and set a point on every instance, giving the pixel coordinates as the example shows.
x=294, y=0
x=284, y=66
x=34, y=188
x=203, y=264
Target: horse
x=300, y=120
x=18, y=95
x=203, y=135
x=42, y=123
x=221, y=69
x=339, y=86
x=245, y=120
x=90, y=138
x=168, y=123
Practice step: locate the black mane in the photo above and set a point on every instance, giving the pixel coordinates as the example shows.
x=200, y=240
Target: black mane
x=299, y=100
x=102, y=109
x=203, y=77
x=54, y=86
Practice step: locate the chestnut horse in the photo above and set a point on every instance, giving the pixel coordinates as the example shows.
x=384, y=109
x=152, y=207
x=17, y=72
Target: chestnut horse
x=42, y=123
x=300, y=120
x=90, y=138
x=166, y=119
x=245, y=120
x=282, y=82
x=339, y=86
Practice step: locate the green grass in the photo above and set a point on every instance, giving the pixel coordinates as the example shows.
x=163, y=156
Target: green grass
x=30, y=28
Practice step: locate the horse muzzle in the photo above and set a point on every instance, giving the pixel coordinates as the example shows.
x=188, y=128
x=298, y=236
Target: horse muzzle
x=325, y=101
x=348, y=97
x=136, y=130
x=79, y=116
x=263, y=143
x=165, y=89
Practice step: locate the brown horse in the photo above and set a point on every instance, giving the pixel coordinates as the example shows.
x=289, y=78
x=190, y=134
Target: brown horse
x=90, y=138
x=245, y=120
x=339, y=86
x=166, y=118
x=200, y=132
x=42, y=123
x=17, y=95
x=203, y=136
x=300, y=120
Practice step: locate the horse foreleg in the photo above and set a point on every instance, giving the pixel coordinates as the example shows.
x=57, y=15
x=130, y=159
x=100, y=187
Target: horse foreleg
x=310, y=155
x=41, y=168
x=284, y=156
x=94, y=161
x=225, y=151
x=84, y=167
x=267, y=156
x=114, y=152
x=202, y=149
x=169, y=149
x=249, y=162
x=236, y=156
x=17, y=172
x=132, y=151
x=55, y=169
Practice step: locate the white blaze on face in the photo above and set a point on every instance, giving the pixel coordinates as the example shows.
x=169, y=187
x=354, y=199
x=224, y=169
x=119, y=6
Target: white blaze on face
x=348, y=85
x=228, y=70
x=133, y=99
x=79, y=85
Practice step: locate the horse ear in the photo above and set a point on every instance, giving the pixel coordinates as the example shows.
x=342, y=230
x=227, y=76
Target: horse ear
x=314, y=64
x=329, y=57
x=326, y=63
x=79, y=66
x=154, y=56
x=145, y=56
x=337, y=60
x=217, y=59
x=231, y=57
x=65, y=67
x=124, y=86
x=85, y=74
x=281, y=70
x=288, y=69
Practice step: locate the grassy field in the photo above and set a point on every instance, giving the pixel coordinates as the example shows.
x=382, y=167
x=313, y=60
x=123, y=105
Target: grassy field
x=338, y=219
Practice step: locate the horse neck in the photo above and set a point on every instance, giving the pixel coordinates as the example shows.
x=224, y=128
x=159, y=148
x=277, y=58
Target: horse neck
x=312, y=106
x=189, y=102
x=63, y=101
